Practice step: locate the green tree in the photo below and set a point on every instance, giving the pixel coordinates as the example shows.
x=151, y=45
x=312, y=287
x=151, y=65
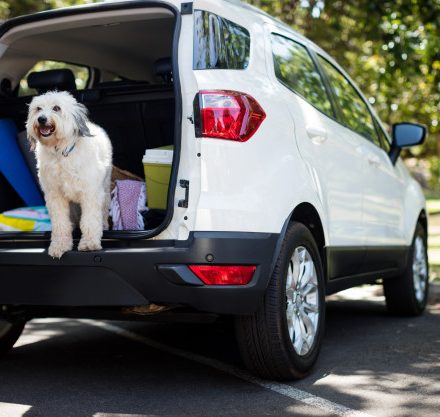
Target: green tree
x=12, y=8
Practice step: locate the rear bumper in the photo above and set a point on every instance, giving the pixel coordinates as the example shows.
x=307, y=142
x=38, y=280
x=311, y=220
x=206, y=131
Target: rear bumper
x=137, y=272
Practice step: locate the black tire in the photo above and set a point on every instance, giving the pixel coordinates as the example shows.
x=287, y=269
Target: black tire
x=401, y=295
x=263, y=338
x=10, y=331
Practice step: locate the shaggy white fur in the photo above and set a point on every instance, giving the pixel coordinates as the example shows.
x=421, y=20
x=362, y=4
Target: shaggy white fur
x=74, y=160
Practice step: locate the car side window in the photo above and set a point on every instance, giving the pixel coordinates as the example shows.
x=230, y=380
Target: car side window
x=386, y=144
x=295, y=68
x=219, y=43
x=355, y=112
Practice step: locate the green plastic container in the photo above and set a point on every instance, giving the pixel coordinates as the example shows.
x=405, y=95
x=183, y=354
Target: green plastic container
x=157, y=167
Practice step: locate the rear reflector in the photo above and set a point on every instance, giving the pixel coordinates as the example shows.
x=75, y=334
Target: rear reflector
x=224, y=274
x=227, y=115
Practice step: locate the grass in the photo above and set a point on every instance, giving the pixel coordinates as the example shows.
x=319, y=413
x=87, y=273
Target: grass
x=434, y=272
x=433, y=206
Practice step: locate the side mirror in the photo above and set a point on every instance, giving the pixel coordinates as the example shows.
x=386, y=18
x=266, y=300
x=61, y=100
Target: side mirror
x=404, y=136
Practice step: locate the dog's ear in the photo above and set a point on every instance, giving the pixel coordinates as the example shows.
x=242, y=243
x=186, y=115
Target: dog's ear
x=81, y=119
x=32, y=143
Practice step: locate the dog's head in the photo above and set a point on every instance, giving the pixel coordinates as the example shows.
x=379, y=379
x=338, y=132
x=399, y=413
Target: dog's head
x=54, y=117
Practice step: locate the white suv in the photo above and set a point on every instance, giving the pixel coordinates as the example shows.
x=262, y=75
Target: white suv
x=285, y=186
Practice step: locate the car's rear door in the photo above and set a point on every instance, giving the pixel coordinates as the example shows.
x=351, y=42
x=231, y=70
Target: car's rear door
x=328, y=149
x=383, y=187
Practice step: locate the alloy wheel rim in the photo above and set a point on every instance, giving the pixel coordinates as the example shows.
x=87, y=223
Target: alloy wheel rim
x=302, y=296
x=420, y=269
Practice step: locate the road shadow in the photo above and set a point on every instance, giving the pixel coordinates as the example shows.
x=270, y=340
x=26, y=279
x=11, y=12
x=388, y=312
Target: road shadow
x=370, y=354
x=77, y=370
x=71, y=369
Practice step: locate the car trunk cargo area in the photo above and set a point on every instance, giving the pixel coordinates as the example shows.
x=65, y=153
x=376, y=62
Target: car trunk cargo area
x=130, y=89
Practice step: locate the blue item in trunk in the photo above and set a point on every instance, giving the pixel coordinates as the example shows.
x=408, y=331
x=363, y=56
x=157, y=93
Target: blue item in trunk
x=13, y=165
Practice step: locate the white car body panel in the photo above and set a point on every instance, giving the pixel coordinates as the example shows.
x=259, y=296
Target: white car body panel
x=383, y=192
x=228, y=170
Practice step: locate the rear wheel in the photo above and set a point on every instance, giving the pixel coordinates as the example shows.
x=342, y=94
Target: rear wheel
x=10, y=331
x=283, y=338
x=407, y=295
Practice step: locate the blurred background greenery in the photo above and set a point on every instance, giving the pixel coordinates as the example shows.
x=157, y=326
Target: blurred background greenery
x=12, y=8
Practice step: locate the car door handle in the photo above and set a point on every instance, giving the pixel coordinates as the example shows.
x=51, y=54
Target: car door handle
x=373, y=160
x=316, y=134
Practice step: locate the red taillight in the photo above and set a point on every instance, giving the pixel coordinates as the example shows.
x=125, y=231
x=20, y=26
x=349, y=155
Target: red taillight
x=227, y=115
x=224, y=274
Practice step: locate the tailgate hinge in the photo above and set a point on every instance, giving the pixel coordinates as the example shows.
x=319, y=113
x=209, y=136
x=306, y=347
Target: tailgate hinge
x=184, y=203
x=186, y=8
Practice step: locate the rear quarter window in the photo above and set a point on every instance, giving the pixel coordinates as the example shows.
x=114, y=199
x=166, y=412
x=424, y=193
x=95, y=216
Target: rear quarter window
x=219, y=43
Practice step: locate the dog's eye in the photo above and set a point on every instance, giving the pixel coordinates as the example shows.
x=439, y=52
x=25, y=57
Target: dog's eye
x=56, y=108
x=39, y=109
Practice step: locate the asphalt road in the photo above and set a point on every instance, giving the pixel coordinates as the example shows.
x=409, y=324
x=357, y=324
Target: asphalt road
x=371, y=364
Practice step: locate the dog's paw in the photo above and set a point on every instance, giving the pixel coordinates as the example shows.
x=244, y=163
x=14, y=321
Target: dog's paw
x=89, y=244
x=58, y=248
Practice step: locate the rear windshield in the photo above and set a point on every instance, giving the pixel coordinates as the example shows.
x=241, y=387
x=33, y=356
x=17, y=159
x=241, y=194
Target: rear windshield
x=80, y=72
x=219, y=43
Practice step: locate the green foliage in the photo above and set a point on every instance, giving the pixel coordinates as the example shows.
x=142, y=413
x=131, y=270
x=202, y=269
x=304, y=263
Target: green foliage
x=390, y=48
x=12, y=8
x=434, y=168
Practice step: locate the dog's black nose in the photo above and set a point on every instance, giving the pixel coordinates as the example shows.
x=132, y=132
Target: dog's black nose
x=42, y=120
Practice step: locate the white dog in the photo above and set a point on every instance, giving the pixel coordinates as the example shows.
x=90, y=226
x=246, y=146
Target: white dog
x=74, y=160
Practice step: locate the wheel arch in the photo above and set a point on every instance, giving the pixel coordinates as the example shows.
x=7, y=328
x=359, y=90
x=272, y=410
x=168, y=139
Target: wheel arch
x=423, y=220
x=306, y=214
x=415, y=210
